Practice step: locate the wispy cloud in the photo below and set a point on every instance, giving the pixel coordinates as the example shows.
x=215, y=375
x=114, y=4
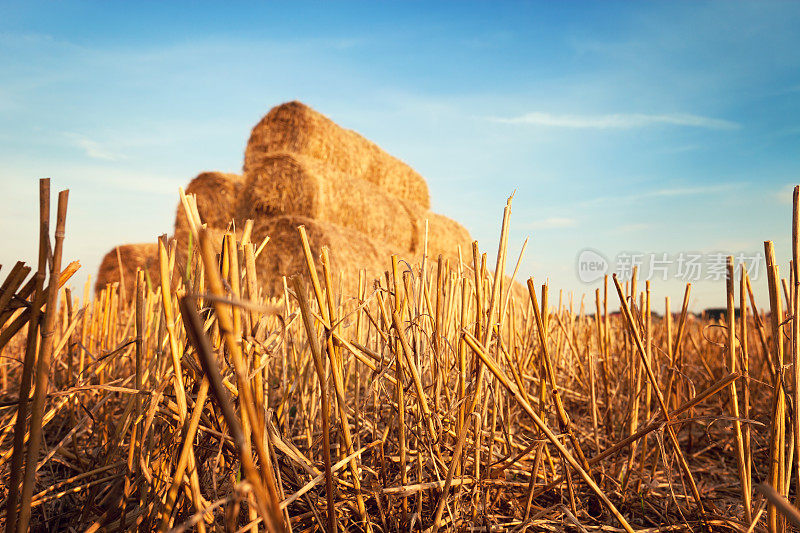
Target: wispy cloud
x=124, y=180
x=683, y=191
x=785, y=194
x=93, y=149
x=554, y=222
x=667, y=192
x=619, y=121
x=630, y=228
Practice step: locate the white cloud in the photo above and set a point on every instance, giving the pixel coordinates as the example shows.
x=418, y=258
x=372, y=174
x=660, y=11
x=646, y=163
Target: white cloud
x=669, y=192
x=619, y=121
x=630, y=228
x=554, y=222
x=684, y=191
x=786, y=194
x=93, y=149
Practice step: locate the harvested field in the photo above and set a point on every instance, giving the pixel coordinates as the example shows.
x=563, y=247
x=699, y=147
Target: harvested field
x=421, y=400
x=295, y=128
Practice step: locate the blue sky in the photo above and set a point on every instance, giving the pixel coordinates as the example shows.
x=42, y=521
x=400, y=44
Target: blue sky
x=623, y=127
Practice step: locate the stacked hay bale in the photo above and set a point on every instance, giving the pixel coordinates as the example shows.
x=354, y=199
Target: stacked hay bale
x=295, y=128
x=301, y=168
x=286, y=184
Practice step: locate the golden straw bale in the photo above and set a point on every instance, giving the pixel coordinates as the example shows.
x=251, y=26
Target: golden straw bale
x=445, y=235
x=293, y=185
x=131, y=256
x=217, y=195
x=296, y=128
x=350, y=251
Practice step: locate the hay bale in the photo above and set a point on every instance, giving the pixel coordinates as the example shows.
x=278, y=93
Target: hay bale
x=296, y=128
x=217, y=196
x=131, y=256
x=445, y=235
x=292, y=185
x=349, y=250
